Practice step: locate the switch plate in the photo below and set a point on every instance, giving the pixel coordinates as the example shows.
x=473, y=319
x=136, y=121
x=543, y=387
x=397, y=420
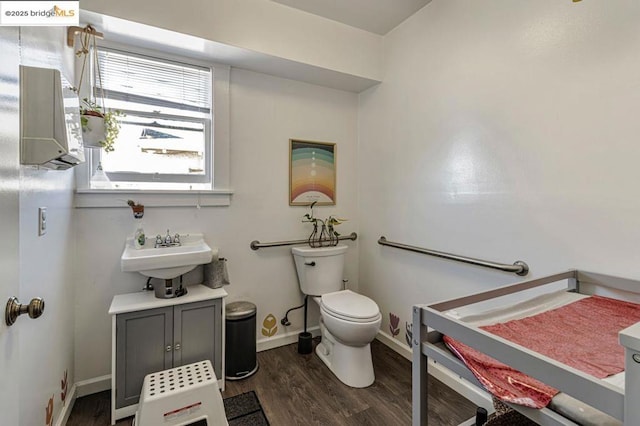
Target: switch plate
x=42, y=220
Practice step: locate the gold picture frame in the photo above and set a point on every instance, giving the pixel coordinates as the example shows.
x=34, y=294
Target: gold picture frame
x=312, y=173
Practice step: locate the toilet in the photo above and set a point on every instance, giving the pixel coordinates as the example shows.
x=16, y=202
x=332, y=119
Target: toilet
x=348, y=321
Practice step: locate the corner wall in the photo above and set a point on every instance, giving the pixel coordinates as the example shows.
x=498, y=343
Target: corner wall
x=265, y=112
x=505, y=131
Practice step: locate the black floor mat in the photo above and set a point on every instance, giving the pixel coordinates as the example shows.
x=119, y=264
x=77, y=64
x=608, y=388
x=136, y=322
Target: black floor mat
x=244, y=410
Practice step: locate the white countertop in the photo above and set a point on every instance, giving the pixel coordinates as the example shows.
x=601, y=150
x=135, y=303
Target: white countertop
x=142, y=300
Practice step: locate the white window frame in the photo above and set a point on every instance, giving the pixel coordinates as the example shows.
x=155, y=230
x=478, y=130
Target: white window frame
x=209, y=142
x=219, y=195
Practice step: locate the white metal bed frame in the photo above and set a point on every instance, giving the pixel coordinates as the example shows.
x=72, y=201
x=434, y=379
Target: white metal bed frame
x=430, y=324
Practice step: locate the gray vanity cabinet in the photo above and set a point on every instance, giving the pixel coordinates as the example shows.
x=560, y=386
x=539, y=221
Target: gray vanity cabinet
x=143, y=340
x=194, y=336
x=153, y=340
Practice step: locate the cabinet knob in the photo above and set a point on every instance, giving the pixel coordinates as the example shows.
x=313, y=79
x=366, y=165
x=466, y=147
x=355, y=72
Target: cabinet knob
x=177, y=347
x=168, y=348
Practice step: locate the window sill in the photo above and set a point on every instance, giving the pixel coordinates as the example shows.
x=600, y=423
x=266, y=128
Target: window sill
x=99, y=198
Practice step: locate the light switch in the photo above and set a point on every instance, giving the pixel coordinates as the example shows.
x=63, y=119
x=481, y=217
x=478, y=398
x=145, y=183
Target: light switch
x=42, y=220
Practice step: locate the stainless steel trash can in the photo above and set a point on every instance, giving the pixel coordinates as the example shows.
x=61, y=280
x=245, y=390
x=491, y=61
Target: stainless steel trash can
x=240, y=343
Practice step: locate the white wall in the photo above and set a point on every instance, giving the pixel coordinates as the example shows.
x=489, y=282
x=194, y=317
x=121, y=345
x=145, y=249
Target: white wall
x=262, y=26
x=265, y=112
x=503, y=130
x=46, y=262
x=34, y=266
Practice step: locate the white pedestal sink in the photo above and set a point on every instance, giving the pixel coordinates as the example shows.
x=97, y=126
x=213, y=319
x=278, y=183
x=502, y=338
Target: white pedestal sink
x=167, y=262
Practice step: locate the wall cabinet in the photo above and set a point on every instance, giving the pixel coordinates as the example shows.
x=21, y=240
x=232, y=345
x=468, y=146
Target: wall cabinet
x=158, y=338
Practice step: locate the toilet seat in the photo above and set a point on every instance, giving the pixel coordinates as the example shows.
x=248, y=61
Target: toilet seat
x=350, y=306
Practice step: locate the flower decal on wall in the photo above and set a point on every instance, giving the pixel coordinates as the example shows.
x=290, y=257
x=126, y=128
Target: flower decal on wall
x=394, y=321
x=269, y=326
x=408, y=335
x=49, y=412
x=63, y=387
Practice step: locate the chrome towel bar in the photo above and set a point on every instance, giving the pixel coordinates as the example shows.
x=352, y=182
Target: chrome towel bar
x=519, y=267
x=255, y=245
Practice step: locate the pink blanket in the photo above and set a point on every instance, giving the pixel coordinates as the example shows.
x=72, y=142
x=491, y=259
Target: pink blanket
x=582, y=334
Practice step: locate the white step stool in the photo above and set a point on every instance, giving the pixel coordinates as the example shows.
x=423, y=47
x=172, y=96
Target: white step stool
x=186, y=395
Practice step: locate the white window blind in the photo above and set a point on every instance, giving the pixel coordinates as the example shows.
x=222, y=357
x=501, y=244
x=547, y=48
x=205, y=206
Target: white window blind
x=166, y=132
x=143, y=80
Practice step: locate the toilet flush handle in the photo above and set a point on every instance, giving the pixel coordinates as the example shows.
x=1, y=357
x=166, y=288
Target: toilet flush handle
x=312, y=263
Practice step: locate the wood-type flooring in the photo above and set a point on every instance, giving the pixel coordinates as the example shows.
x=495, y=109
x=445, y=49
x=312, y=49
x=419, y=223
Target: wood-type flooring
x=299, y=389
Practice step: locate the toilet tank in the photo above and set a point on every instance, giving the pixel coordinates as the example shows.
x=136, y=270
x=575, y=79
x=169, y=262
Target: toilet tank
x=319, y=269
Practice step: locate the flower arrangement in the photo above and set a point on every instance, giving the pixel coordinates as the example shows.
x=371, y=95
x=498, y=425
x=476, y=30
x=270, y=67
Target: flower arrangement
x=323, y=233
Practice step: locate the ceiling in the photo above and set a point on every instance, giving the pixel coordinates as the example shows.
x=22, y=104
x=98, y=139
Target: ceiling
x=376, y=16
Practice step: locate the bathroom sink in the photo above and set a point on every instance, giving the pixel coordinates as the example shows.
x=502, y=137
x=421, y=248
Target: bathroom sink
x=167, y=262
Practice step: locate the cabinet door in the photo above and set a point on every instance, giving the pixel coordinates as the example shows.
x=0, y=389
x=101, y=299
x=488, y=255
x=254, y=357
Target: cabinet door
x=197, y=333
x=143, y=346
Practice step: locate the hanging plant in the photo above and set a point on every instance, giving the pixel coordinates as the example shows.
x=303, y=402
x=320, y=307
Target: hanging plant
x=100, y=127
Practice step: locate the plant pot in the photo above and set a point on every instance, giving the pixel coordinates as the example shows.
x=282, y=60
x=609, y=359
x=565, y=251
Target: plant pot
x=138, y=211
x=93, y=132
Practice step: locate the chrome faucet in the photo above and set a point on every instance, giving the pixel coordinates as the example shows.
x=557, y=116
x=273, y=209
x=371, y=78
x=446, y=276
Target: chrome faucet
x=168, y=240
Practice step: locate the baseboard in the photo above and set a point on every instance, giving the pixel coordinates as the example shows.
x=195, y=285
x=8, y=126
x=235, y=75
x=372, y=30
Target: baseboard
x=68, y=407
x=103, y=383
x=283, y=339
x=394, y=344
x=458, y=384
x=95, y=385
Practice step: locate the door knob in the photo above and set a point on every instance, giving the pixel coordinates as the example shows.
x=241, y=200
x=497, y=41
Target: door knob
x=14, y=309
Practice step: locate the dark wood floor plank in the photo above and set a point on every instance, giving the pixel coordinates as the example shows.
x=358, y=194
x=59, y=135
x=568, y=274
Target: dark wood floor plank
x=299, y=389
x=94, y=410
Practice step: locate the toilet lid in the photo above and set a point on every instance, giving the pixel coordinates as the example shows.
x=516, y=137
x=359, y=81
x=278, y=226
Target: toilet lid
x=349, y=304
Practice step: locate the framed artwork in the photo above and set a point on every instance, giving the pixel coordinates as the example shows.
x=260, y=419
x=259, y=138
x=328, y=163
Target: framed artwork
x=312, y=173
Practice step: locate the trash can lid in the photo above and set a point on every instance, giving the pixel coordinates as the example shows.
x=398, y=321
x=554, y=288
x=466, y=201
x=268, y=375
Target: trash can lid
x=240, y=310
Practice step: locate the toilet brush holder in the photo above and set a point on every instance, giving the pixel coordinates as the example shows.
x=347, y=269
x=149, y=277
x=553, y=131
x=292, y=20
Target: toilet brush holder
x=304, y=343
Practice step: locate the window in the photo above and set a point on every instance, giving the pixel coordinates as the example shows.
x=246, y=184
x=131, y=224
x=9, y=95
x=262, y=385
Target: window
x=166, y=135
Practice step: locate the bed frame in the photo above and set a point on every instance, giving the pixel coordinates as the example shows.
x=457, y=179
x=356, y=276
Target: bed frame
x=430, y=324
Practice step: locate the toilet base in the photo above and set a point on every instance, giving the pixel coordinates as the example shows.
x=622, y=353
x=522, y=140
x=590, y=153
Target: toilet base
x=353, y=366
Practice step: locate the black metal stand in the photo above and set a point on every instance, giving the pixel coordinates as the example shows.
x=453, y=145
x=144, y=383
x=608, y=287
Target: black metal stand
x=481, y=416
